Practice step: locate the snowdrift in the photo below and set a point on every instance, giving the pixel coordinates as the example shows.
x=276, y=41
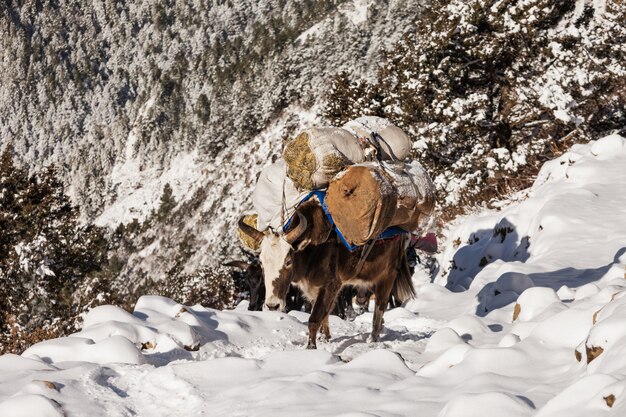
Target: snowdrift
x=525, y=318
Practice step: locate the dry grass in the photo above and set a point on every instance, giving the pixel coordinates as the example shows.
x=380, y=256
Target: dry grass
x=301, y=162
x=516, y=311
x=19, y=340
x=335, y=163
x=593, y=352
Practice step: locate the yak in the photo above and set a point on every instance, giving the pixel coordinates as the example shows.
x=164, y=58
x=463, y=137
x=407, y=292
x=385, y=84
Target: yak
x=253, y=277
x=310, y=256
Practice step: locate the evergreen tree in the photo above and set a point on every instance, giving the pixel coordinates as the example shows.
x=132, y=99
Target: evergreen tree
x=211, y=286
x=487, y=90
x=349, y=99
x=168, y=202
x=44, y=255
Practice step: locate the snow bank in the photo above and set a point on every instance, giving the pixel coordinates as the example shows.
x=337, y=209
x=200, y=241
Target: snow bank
x=525, y=317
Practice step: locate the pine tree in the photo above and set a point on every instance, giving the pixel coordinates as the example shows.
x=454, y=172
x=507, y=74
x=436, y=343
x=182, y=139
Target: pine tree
x=211, y=286
x=45, y=255
x=348, y=99
x=474, y=82
x=168, y=202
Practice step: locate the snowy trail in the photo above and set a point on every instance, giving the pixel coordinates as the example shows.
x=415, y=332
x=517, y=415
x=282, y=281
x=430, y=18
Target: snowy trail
x=525, y=318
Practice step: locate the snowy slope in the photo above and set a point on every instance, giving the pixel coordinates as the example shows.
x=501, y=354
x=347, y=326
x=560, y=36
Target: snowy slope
x=148, y=93
x=530, y=324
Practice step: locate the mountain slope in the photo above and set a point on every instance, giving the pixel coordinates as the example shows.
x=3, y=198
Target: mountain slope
x=126, y=98
x=102, y=82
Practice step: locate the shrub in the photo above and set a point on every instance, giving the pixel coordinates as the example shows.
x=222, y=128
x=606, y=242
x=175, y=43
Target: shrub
x=489, y=91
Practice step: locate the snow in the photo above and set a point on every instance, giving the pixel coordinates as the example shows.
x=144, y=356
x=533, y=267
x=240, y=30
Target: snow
x=139, y=190
x=310, y=33
x=456, y=350
x=356, y=11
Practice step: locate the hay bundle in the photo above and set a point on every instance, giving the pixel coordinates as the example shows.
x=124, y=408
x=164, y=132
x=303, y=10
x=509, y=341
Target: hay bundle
x=368, y=198
x=247, y=241
x=318, y=154
x=393, y=143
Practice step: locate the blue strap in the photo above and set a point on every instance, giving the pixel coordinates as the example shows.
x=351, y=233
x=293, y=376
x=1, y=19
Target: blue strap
x=390, y=232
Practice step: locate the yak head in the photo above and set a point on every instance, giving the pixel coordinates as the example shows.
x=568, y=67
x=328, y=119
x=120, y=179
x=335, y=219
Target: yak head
x=309, y=226
x=253, y=276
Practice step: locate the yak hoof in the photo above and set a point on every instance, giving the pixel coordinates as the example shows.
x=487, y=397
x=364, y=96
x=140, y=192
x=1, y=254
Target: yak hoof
x=373, y=338
x=311, y=346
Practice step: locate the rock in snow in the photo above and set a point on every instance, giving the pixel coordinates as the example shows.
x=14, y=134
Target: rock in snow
x=456, y=350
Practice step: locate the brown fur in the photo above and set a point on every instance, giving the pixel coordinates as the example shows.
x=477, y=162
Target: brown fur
x=320, y=265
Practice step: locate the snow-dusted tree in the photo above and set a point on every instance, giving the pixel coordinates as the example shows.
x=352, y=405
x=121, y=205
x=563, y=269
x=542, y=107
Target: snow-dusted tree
x=44, y=254
x=489, y=88
x=210, y=286
x=168, y=202
x=348, y=99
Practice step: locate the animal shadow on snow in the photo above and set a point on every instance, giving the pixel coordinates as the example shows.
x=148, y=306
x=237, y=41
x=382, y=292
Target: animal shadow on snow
x=388, y=334
x=507, y=288
x=503, y=243
x=482, y=248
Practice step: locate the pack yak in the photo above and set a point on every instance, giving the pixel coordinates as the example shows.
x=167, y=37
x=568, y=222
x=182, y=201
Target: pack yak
x=310, y=256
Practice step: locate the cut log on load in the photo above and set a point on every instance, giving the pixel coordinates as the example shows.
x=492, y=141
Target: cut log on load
x=267, y=197
x=390, y=140
x=318, y=154
x=246, y=240
x=368, y=198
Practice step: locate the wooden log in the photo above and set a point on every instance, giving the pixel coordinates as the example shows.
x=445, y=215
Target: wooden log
x=368, y=198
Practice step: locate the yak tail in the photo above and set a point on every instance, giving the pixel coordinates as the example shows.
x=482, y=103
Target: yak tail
x=403, y=287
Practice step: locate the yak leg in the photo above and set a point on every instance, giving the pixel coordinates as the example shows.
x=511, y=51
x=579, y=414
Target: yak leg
x=321, y=309
x=382, y=291
x=326, y=328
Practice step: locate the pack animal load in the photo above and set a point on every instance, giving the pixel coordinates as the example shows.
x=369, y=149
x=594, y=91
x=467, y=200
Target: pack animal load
x=316, y=155
x=388, y=139
x=360, y=172
x=367, y=199
x=246, y=240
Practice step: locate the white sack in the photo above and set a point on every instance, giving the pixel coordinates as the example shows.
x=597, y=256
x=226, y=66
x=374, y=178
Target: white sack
x=333, y=149
x=393, y=142
x=268, y=193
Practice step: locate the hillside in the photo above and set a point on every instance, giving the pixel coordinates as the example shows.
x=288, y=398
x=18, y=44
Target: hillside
x=125, y=98
x=198, y=96
x=524, y=318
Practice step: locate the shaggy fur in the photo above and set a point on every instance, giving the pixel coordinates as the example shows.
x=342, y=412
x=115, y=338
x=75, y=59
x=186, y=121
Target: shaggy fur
x=320, y=266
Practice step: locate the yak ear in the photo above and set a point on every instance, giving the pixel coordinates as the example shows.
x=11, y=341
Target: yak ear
x=301, y=245
x=300, y=242
x=322, y=229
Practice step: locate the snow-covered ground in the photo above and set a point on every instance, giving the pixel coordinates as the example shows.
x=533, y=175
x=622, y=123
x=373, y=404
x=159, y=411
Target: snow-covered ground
x=526, y=317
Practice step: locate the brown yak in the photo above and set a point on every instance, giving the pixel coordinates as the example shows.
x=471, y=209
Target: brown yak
x=310, y=256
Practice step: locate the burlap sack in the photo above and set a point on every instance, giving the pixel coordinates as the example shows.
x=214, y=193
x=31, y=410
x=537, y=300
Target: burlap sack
x=416, y=196
x=368, y=198
x=248, y=242
x=267, y=197
x=317, y=154
x=393, y=142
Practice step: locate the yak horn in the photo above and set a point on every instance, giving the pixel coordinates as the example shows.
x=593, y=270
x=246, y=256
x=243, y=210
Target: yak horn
x=294, y=234
x=237, y=264
x=250, y=231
